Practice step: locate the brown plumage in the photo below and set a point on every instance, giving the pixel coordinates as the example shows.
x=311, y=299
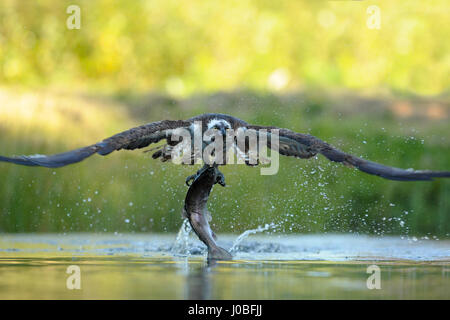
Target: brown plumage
x=290, y=144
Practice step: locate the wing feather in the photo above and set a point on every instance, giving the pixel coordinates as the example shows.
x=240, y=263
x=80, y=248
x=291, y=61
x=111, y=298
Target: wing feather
x=305, y=146
x=135, y=138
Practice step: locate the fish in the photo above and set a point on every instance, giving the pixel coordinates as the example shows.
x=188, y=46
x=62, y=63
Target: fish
x=195, y=210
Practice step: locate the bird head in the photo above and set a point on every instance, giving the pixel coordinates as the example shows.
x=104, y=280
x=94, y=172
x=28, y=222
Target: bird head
x=219, y=124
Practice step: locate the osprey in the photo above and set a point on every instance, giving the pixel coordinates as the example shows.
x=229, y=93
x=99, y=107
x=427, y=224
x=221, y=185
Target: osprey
x=290, y=144
x=221, y=126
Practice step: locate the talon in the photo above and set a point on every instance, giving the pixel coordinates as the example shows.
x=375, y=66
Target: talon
x=189, y=179
x=195, y=176
x=220, y=178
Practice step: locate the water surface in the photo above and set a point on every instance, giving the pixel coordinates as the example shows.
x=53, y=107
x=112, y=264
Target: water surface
x=265, y=267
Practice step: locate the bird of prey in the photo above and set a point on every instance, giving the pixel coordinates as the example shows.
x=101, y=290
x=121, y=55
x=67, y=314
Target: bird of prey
x=287, y=143
x=291, y=143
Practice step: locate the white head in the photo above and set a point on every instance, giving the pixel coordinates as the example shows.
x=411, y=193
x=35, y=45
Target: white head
x=219, y=124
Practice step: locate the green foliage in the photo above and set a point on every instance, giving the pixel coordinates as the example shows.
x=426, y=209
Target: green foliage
x=130, y=192
x=216, y=45
x=246, y=58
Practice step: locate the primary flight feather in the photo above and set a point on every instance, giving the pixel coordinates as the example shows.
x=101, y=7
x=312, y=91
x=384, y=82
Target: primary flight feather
x=290, y=144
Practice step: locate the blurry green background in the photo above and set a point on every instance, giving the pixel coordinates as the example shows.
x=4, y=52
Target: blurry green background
x=311, y=66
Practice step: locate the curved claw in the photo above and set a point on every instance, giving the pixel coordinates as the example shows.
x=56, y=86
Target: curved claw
x=196, y=175
x=220, y=178
x=189, y=179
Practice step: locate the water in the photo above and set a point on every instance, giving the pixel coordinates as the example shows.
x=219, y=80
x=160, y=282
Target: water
x=181, y=245
x=247, y=233
x=134, y=266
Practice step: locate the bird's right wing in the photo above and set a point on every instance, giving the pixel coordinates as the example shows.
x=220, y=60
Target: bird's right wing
x=135, y=138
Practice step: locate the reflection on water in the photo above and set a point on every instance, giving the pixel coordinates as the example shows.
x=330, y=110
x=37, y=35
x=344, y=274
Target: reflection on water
x=34, y=267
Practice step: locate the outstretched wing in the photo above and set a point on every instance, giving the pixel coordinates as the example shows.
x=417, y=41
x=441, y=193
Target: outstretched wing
x=305, y=146
x=135, y=138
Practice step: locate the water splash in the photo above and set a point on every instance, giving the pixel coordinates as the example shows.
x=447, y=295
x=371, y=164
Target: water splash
x=247, y=233
x=181, y=245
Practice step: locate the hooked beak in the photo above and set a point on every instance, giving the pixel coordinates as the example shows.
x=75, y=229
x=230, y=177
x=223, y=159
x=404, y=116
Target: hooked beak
x=223, y=131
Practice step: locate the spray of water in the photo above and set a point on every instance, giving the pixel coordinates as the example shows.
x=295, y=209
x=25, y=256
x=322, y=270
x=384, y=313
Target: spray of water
x=181, y=245
x=247, y=233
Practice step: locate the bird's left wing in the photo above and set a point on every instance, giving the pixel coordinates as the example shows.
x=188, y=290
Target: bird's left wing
x=135, y=138
x=304, y=146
